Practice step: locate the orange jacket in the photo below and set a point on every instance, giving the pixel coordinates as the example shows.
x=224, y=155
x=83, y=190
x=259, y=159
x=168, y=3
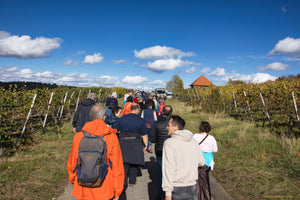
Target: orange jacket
x=113, y=183
x=127, y=108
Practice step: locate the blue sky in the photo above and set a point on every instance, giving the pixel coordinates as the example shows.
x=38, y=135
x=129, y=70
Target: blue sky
x=142, y=44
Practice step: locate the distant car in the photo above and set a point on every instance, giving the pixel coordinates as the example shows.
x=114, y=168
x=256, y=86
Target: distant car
x=161, y=91
x=169, y=95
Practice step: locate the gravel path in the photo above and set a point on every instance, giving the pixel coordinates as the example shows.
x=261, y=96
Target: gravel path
x=146, y=186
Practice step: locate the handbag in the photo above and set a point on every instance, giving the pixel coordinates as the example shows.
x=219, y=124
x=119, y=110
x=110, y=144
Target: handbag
x=203, y=186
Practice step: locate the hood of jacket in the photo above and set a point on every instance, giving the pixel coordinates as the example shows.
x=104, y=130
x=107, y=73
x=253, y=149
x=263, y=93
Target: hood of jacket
x=87, y=102
x=98, y=128
x=184, y=135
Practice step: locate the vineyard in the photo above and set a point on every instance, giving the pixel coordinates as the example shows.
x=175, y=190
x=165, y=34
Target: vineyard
x=24, y=112
x=272, y=104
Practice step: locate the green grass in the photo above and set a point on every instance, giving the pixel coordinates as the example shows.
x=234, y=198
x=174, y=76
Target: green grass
x=37, y=171
x=252, y=162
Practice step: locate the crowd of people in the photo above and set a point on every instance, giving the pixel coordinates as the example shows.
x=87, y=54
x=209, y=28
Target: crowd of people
x=129, y=132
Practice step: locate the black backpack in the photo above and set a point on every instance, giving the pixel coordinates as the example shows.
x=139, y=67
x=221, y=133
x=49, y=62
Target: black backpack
x=92, y=165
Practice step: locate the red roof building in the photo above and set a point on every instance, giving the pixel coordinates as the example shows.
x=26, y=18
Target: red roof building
x=201, y=81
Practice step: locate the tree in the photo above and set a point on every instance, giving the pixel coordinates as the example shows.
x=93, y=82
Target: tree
x=175, y=85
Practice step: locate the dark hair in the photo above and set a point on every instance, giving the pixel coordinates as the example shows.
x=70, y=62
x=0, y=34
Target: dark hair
x=135, y=106
x=115, y=109
x=148, y=104
x=178, y=121
x=129, y=99
x=167, y=111
x=204, y=127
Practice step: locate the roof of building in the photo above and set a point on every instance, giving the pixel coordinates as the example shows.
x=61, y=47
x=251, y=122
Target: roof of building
x=201, y=81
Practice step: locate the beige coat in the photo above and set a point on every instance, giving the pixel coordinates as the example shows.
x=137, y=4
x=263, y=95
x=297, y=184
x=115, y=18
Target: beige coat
x=181, y=158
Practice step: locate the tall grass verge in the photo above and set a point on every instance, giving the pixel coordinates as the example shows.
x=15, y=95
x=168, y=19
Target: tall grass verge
x=252, y=162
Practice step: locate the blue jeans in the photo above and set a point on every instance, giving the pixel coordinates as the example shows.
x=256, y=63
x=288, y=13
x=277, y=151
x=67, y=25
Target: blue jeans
x=185, y=193
x=159, y=175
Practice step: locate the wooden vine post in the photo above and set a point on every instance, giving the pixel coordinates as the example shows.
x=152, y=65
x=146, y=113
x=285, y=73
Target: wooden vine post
x=296, y=110
x=28, y=115
x=223, y=101
x=234, y=101
x=77, y=102
x=62, y=108
x=265, y=109
x=49, y=105
x=248, y=105
x=197, y=93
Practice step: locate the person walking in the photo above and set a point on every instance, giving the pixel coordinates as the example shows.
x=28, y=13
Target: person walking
x=81, y=115
x=158, y=135
x=114, y=118
x=133, y=140
x=110, y=103
x=180, y=161
x=129, y=93
x=113, y=182
x=127, y=106
x=208, y=145
x=150, y=117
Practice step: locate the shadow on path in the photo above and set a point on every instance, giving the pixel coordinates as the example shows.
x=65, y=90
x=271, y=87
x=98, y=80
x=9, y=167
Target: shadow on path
x=152, y=185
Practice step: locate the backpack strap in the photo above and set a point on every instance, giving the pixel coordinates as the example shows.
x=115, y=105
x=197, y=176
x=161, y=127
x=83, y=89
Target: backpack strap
x=86, y=134
x=203, y=139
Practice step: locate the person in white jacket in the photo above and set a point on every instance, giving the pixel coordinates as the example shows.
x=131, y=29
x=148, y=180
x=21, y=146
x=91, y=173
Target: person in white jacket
x=180, y=161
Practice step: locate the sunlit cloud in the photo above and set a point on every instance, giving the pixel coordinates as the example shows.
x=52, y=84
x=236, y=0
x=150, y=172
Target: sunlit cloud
x=288, y=46
x=91, y=59
x=168, y=64
x=190, y=70
x=275, y=66
x=24, y=47
x=161, y=52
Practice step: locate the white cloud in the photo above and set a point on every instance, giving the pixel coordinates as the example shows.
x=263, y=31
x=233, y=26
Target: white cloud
x=117, y=62
x=91, y=59
x=78, y=53
x=190, y=70
x=275, y=66
x=70, y=62
x=134, y=80
x=135, y=63
x=24, y=47
x=107, y=80
x=222, y=75
x=205, y=70
x=168, y=64
x=218, y=72
x=288, y=46
x=11, y=69
x=161, y=52
x=157, y=82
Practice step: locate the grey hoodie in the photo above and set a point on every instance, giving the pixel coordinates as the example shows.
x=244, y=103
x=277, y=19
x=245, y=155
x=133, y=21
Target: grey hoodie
x=181, y=158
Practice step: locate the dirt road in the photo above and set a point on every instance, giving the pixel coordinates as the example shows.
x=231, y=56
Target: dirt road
x=146, y=186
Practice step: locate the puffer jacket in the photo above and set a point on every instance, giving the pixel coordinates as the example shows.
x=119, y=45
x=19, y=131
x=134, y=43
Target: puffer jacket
x=159, y=133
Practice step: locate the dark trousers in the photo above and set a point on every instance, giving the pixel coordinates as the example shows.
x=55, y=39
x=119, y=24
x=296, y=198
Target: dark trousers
x=131, y=172
x=185, y=193
x=159, y=176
